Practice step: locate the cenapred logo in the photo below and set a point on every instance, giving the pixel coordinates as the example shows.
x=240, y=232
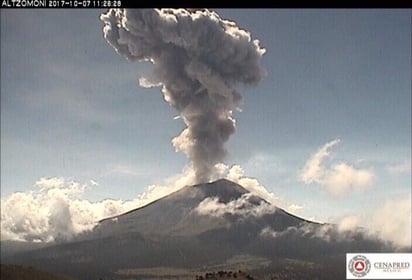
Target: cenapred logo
x=359, y=266
x=379, y=266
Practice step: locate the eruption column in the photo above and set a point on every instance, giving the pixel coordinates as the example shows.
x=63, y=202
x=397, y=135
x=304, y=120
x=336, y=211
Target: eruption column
x=198, y=59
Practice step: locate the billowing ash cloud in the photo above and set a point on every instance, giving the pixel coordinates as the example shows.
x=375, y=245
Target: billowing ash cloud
x=198, y=59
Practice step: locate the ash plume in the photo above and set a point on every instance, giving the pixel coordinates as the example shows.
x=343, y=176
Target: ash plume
x=198, y=59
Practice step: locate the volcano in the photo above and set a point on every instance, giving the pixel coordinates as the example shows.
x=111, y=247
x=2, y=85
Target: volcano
x=203, y=227
x=176, y=215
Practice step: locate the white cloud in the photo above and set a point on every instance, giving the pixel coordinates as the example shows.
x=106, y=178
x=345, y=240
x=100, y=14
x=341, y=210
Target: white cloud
x=94, y=183
x=57, y=210
x=236, y=174
x=349, y=223
x=241, y=206
x=269, y=232
x=397, y=232
x=326, y=232
x=313, y=168
x=147, y=83
x=294, y=208
x=391, y=221
x=339, y=179
x=125, y=170
x=50, y=182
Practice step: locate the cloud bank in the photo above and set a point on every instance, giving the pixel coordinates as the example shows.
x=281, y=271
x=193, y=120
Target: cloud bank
x=392, y=221
x=56, y=210
x=339, y=179
x=389, y=223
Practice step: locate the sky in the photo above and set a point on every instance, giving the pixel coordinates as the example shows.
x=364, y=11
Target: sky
x=327, y=131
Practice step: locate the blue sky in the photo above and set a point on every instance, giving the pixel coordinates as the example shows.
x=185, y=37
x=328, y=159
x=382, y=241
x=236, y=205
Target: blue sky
x=72, y=108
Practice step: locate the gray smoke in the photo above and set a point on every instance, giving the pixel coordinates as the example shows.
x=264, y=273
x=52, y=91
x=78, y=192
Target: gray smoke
x=198, y=59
